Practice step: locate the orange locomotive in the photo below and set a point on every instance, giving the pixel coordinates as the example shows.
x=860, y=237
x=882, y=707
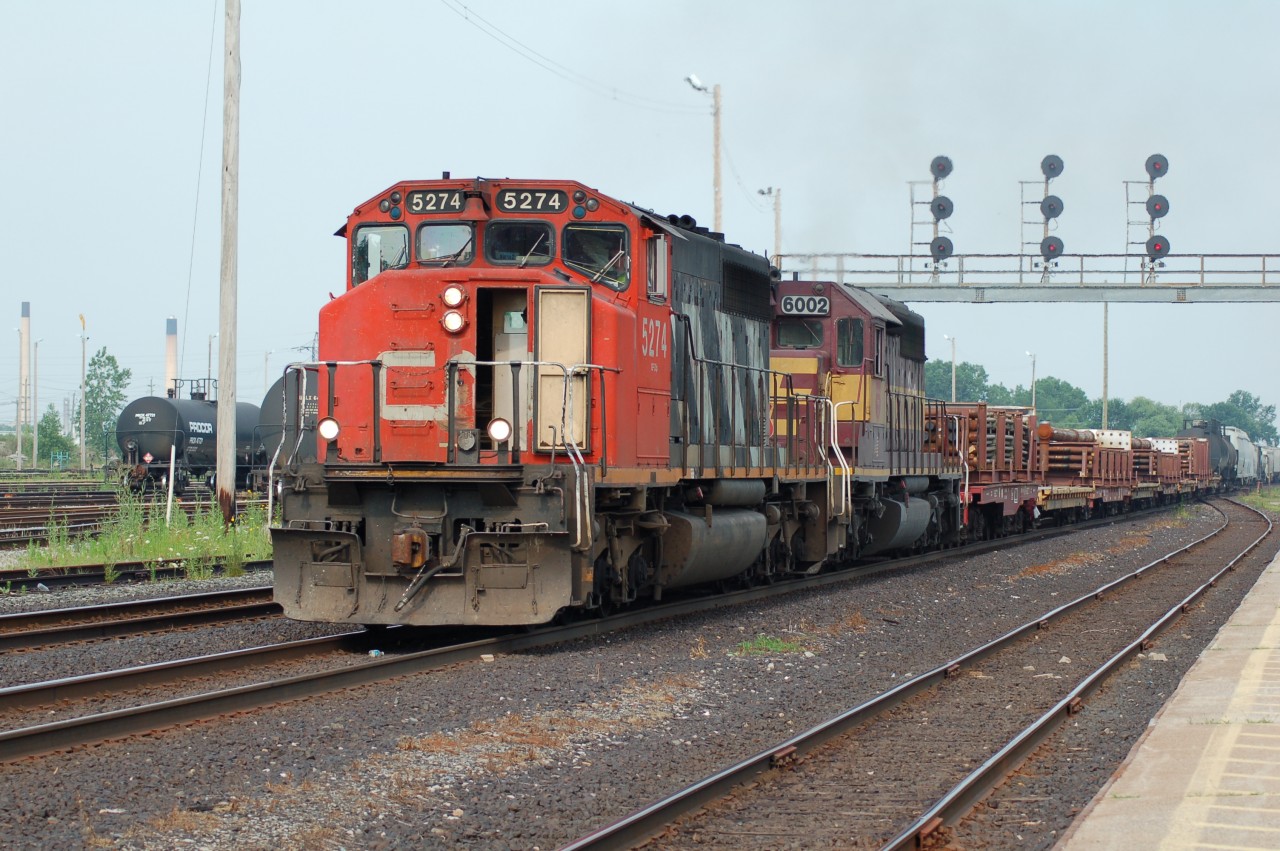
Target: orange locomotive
x=534, y=398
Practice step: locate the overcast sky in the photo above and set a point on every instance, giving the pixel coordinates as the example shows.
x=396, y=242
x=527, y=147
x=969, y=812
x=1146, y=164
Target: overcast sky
x=110, y=156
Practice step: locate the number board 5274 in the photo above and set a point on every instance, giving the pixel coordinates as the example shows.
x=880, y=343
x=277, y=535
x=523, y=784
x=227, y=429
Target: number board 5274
x=532, y=201
x=806, y=305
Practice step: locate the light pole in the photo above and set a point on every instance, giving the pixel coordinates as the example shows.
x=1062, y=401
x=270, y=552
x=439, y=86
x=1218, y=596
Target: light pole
x=266, y=374
x=1033, y=381
x=776, y=193
x=953, y=364
x=35, y=406
x=20, y=398
x=84, y=348
x=698, y=85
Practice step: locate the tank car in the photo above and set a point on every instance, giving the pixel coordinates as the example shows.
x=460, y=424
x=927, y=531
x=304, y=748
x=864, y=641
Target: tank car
x=281, y=430
x=149, y=427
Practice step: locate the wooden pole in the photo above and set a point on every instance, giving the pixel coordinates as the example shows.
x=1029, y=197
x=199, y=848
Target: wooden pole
x=226, y=468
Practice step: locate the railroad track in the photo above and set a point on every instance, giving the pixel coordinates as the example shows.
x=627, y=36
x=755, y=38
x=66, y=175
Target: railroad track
x=64, y=576
x=27, y=516
x=967, y=724
x=149, y=717
x=24, y=630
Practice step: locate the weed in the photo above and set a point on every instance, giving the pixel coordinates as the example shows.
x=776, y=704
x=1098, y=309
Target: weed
x=763, y=645
x=699, y=650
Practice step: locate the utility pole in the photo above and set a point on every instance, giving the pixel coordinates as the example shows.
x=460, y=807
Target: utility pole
x=698, y=85
x=19, y=399
x=24, y=374
x=1033, y=381
x=776, y=194
x=1104, y=364
x=35, y=406
x=226, y=467
x=84, y=349
x=953, y=364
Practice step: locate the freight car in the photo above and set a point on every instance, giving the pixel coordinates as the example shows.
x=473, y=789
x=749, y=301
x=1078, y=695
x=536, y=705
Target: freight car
x=149, y=429
x=1247, y=460
x=286, y=424
x=1270, y=463
x=534, y=398
x=1223, y=455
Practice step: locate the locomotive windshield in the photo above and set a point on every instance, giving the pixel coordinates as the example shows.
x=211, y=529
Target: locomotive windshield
x=799, y=333
x=446, y=244
x=519, y=243
x=378, y=248
x=600, y=252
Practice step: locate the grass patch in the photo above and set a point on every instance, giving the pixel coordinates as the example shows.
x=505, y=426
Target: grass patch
x=763, y=645
x=139, y=533
x=1268, y=499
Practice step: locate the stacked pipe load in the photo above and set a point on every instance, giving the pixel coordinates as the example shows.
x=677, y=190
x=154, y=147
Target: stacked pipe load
x=1193, y=454
x=1099, y=457
x=1155, y=460
x=999, y=442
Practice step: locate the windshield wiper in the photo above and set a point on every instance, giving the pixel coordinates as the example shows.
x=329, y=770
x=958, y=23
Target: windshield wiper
x=455, y=255
x=608, y=266
x=525, y=259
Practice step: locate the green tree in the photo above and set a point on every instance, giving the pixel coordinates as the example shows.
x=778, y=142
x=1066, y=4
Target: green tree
x=1058, y=402
x=1244, y=410
x=104, y=398
x=971, y=381
x=52, y=438
x=1149, y=418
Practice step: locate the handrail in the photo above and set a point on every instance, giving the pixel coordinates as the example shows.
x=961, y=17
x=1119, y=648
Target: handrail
x=846, y=479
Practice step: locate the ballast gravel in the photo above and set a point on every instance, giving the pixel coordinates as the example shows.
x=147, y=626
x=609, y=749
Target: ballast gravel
x=534, y=750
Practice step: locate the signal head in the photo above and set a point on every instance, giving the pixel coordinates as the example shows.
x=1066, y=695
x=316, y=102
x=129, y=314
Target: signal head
x=1157, y=166
x=941, y=248
x=1051, y=166
x=1157, y=206
x=1051, y=248
x=940, y=167
x=1051, y=207
x=1157, y=247
x=941, y=207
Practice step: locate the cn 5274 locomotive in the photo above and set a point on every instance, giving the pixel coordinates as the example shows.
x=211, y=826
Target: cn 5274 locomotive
x=535, y=398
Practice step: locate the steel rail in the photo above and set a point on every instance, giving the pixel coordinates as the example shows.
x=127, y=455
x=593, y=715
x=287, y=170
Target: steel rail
x=986, y=777
x=95, y=574
x=165, y=673
x=60, y=626
x=652, y=819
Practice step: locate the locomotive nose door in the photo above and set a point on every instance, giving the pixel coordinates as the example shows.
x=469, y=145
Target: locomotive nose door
x=563, y=334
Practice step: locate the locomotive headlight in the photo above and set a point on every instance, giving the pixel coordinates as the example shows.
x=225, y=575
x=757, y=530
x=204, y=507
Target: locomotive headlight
x=328, y=428
x=453, y=322
x=453, y=295
x=499, y=430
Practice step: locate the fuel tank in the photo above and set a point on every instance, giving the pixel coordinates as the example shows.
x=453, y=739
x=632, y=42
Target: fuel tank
x=696, y=551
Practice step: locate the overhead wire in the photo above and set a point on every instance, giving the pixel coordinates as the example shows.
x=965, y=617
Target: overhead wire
x=195, y=216
x=562, y=71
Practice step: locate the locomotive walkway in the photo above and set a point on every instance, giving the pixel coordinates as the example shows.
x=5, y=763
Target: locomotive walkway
x=1207, y=772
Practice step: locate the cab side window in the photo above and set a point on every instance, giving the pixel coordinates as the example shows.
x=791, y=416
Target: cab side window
x=849, y=342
